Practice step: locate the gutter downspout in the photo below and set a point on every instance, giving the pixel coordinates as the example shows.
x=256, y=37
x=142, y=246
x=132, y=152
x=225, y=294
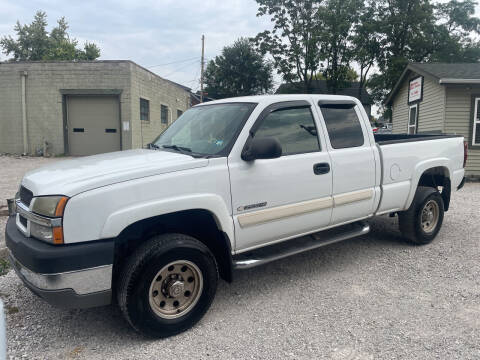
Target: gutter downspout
x=24, y=112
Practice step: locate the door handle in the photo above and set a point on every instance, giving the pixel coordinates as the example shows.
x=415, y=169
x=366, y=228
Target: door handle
x=321, y=168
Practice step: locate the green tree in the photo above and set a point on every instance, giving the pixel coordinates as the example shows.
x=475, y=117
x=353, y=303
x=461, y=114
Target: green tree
x=452, y=42
x=338, y=19
x=407, y=27
x=310, y=38
x=294, y=42
x=420, y=31
x=33, y=42
x=367, y=42
x=239, y=71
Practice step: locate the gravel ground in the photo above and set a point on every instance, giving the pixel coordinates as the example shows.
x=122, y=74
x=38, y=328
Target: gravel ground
x=373, y=297
x=12, y=170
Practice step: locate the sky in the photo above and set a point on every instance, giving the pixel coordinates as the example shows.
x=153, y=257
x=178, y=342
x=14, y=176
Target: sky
x=163, y=36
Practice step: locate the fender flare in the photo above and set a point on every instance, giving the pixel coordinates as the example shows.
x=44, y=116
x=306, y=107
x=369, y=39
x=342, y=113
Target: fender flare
x=123, y=217
x=419, y=170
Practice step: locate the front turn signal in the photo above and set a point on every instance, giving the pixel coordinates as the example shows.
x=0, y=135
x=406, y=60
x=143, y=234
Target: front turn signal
x=58, y=235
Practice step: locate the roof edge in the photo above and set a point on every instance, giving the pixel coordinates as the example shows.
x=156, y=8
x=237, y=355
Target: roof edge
x=409, y=67
x=458, y=81
x=186, y=88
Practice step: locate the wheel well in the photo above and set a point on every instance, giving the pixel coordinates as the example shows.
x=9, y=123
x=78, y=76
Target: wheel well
x=438, y=178
x=198, y=223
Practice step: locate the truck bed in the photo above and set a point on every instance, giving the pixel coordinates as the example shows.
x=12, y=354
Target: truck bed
x=386, y=139
x=404, y=158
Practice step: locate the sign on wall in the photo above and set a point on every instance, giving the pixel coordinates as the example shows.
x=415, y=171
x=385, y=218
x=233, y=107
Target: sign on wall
x=415, y=90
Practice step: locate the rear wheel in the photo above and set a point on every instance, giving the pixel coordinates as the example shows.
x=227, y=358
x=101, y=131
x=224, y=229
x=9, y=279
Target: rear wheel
x=421, y=223
x=167, y=285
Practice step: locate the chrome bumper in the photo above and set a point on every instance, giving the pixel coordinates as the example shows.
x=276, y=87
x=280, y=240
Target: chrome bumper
x=82, y=282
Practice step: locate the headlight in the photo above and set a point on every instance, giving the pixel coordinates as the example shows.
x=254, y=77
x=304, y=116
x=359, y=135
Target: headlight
x=51, y=206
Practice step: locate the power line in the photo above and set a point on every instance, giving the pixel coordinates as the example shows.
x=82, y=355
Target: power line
x=202, y=65
x=195, y=78
x=173, y=62
x=180, y=68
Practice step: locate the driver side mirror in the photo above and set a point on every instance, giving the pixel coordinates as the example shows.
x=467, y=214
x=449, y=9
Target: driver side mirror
x=262, y=148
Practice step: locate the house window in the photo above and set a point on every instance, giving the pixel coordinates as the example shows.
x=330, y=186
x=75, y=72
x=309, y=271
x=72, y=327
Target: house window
x=144, y=110
x=164, y=114
x=412, y=119
x=179, y=113
x=476, y=124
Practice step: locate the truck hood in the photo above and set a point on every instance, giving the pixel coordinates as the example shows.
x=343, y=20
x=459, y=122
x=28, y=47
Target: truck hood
x=70, y=177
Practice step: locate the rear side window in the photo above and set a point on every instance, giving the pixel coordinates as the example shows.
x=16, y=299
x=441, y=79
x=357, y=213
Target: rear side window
x=343, y=126
x=294, y=128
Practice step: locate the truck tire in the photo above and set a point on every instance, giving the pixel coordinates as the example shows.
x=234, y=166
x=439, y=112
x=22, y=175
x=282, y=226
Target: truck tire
x=421, y=223
x=167, y=285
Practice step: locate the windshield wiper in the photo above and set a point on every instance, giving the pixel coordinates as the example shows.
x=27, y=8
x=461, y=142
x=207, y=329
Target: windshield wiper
x=153, y=146
x=178, y=148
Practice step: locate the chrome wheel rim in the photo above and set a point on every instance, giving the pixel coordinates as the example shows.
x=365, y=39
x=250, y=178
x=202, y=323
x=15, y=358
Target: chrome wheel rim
x=175, y=289
x=430, y=215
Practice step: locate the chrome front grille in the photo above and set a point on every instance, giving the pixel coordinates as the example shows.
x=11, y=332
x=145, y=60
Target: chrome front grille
x=25, y=195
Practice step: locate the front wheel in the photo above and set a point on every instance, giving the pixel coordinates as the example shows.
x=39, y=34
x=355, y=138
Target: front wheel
x=167, y=285
x=421, y=223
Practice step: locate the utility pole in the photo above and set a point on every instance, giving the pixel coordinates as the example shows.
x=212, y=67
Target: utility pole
x=201, y=69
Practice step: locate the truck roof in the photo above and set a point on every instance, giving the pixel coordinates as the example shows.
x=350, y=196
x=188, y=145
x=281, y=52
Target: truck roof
x=270, y=99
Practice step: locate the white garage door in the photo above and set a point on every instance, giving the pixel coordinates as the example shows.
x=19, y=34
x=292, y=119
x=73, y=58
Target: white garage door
x=93, y=124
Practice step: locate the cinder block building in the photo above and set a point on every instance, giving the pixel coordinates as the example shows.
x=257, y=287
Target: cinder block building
x=84, y=108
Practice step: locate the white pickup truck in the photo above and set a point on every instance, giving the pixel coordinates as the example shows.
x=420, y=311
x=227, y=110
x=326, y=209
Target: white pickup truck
x=231, y=184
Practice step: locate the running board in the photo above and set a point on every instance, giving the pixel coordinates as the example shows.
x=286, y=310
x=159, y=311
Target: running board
x=287, y=248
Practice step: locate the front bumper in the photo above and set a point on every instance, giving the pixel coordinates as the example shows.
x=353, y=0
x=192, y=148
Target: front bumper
x=67, y=276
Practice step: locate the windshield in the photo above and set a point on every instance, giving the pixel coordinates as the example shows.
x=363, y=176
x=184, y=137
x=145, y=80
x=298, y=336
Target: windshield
x=206, y=130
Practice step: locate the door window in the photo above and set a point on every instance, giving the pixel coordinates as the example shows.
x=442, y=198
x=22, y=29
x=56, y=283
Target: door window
x=294, y=128
x=343, y=127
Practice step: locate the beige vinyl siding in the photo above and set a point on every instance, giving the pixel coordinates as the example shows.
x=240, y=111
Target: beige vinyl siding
x=430, y=109
x=458, y=120
x=400, y=109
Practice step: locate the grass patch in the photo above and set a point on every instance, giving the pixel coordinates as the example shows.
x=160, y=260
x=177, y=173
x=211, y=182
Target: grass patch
x=11, y=310
x=4, y=266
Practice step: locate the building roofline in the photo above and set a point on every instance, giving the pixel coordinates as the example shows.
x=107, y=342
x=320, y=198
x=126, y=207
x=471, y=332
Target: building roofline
x=458, y=81
x=90, y=62
x=441, y=81
x=409, y=67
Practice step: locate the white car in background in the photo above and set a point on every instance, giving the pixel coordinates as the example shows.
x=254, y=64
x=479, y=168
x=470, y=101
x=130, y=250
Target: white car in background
x=385, y=129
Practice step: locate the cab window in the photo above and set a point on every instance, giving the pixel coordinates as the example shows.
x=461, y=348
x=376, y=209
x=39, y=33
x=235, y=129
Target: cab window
x=343, y=126
x=294, y=128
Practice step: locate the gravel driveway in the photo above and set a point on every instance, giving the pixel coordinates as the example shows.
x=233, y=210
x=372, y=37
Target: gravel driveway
x=372, y=297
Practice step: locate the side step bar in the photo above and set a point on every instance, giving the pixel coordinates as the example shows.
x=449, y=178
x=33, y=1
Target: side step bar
x=287, y=248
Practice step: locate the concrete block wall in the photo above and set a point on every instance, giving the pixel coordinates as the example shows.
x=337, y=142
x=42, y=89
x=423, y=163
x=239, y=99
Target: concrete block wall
x=147, y=85
x=44, y=84
x=10, y=111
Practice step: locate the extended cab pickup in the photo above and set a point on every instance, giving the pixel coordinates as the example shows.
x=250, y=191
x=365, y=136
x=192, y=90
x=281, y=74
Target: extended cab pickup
x=231, y=184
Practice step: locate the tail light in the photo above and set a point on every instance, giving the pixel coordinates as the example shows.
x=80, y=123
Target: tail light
x=465, y=153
